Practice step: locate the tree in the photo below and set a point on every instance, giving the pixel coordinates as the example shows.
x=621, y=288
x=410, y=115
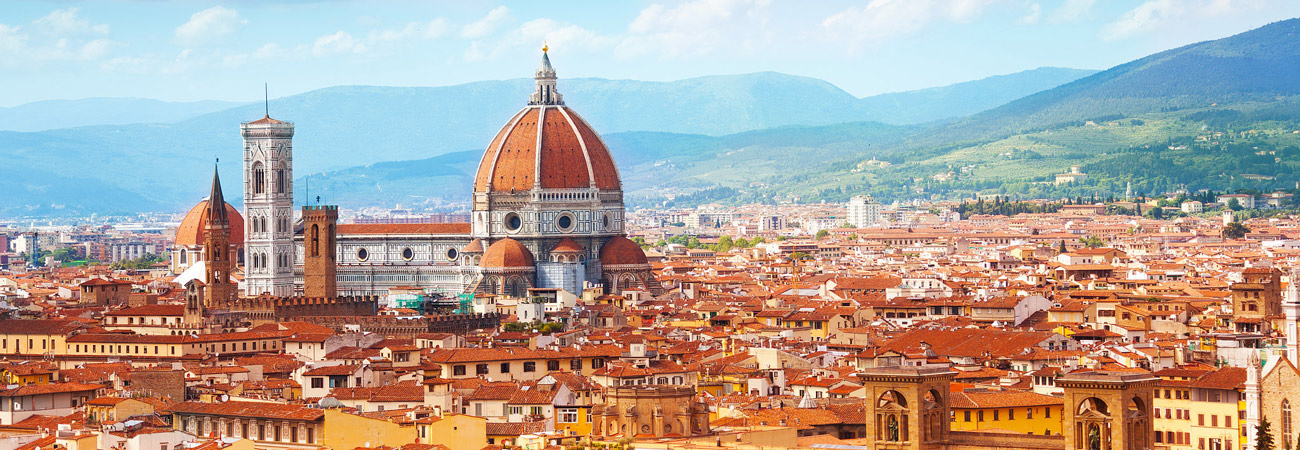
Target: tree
x=1063, y=250
x=1234, y=205
x=822, y=234
x=1263, y=437
x=1235, y=230
x=1092, y=242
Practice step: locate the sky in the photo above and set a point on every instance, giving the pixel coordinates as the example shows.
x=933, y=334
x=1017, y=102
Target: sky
x=196, y=50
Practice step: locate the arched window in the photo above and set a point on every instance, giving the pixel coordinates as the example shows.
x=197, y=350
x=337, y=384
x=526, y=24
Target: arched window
x=183, y=256
x=1286, y=423
x=315, y=240
x=280, y=179
x=259, y=178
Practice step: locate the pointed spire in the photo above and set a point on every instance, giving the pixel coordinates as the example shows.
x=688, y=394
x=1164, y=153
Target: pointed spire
x=217, y=201
x=545, y=93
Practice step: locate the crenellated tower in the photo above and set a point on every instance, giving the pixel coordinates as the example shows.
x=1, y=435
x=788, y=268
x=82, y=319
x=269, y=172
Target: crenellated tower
x=268, y=207
x=320, y=261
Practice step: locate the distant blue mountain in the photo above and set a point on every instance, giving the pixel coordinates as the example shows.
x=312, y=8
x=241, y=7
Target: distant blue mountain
x=357, y=126
x=55, y=114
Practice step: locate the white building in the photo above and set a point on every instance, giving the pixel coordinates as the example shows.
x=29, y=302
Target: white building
x=864, y=211
x=1192, y=207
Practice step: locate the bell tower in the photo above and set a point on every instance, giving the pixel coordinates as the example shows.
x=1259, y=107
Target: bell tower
x=216, y=248
x=268, y=206
x=319, y=259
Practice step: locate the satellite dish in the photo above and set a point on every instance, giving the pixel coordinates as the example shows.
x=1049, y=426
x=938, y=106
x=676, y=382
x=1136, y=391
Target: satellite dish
x=225, y=397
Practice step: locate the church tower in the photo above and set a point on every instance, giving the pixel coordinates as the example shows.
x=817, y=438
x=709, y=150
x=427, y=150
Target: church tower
x=216, y=248
x=320, y=261
x=268, y=207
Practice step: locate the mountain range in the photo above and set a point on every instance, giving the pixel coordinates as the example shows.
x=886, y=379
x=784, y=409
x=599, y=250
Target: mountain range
x=723, y=138
x=150, y=164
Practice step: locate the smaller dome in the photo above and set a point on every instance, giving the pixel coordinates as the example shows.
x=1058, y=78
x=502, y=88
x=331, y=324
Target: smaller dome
x=507, y=253
x=568, y=246
x=474, y=246
x=620, y=251
x=192, y=228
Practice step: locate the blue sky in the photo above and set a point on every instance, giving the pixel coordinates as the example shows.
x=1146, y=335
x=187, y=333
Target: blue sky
x=193, y=50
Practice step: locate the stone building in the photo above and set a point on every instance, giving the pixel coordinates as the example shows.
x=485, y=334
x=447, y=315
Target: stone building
x=650, y=411
x=908, y=408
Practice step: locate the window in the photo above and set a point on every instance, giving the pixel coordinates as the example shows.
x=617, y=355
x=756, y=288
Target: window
x=1011, y=414
x=979, y=416
x=1029, y=413
x=516, y=410
x=530, y=366
x=553, y=365
x=995, y=414
x=1286, y=423
x=311, y=435
x=505, y=367
x=481, y=369
x=1047, y=412
x=966, y=415
x=1200, y=420
x=597, y=363
x=575, y=365
x=569, y=415
x=458, y=370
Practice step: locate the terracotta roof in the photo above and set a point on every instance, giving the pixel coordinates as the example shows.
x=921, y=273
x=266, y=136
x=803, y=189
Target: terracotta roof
x=191, y=230
x=620, y=250
x=404, y=228
x=149, y=310
x=474, y=246
x=567, y=245
x=570, y=153
x=261, y=410
x=507, y=253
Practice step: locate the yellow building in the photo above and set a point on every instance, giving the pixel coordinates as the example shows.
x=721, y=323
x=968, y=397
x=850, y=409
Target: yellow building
x=20, y=337
x=456, y=431
x=27, y=372
x=1199, y=409
x=573, y=419
x=343, y=430
x=1020, y=412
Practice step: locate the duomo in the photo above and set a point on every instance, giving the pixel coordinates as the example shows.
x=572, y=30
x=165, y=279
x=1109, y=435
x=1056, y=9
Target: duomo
x=547, y=214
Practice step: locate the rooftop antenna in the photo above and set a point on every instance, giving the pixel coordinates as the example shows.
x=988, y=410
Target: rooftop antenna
x=266, y=98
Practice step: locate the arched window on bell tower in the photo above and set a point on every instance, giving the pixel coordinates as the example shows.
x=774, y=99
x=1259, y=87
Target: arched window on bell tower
x=259, y=178
x=280, y=181
x=315, y=240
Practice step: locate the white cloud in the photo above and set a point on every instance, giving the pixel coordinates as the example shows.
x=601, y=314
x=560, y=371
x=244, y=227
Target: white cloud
x=487, y=25
x=532, y=34
x=209, y=24
x=60, y=36
x=697, y=28
x=339, y=42
x=1143, y=17
x=432, y=29
x=1072, y=10
x=1033, y=16
x=66, y=23
x=881, y=20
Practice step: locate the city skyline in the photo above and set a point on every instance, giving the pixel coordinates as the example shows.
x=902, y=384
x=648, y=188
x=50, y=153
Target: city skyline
x=192, y=51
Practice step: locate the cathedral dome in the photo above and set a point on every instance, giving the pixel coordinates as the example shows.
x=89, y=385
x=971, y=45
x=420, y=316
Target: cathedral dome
x=568, y=246
x=563, y=152
x=507, y=253
x=621, y=251
x=191, y=230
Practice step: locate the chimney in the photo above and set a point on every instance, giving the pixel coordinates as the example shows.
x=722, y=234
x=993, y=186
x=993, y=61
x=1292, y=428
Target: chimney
x=320, y=263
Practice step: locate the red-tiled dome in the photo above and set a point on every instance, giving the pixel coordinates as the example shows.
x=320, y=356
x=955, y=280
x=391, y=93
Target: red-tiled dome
x=191, y=231
x=569, y=153
x=474, y=246
x=507, y=253
x=568, y=246
x=620, y=250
